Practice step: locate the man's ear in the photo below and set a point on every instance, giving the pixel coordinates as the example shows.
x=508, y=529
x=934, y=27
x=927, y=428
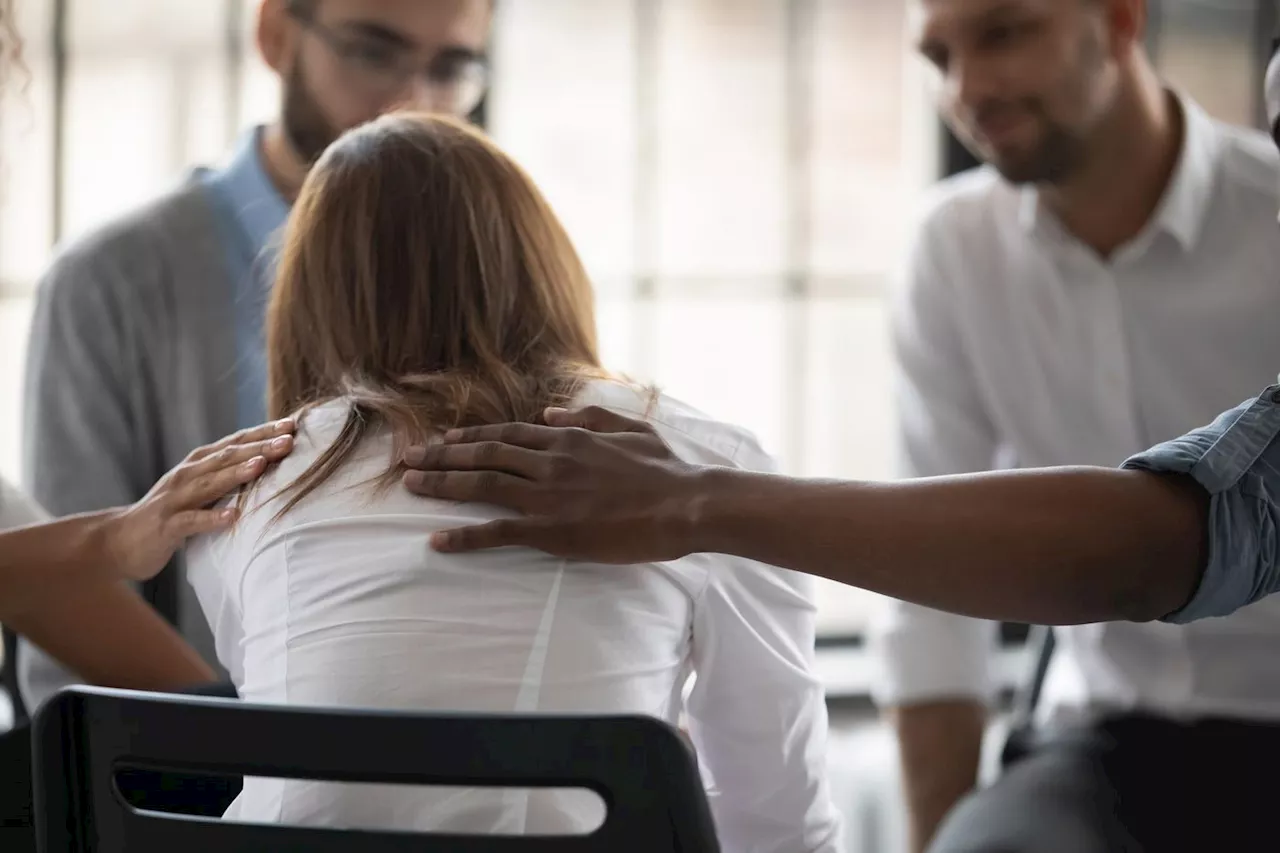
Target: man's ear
x=1127, y=24
x=276, y=34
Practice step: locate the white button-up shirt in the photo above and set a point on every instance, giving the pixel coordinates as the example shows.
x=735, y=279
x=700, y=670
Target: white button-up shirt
x=343, y=603
x=1019, y=347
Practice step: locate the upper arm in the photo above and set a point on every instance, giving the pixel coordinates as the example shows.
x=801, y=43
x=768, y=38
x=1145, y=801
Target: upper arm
x=80, y=447
x=943, y=425
x=757, y=710
x=1236, y=460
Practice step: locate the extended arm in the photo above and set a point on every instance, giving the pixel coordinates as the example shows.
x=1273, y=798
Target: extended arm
x=1060, y=546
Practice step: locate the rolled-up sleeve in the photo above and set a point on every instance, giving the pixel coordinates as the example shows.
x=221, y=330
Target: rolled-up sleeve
x=1237, y=461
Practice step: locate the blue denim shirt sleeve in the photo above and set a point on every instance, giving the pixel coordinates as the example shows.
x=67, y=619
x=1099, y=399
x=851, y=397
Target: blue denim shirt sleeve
x=1237, y=460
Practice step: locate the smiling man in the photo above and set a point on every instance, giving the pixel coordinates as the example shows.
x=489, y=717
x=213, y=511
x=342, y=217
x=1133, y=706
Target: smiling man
x=147, y=339
x=1107, y=282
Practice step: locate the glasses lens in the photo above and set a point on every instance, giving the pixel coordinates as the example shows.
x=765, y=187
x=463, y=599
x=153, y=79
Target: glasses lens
x=461, y=84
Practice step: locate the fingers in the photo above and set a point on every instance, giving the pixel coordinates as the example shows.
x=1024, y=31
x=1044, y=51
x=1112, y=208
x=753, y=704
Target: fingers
x=217, y=481
x=265, y=432
x=491, y=487
x=495, y=446
x=531, y=436
x=484, y=455
x=495, y=534
x=595, y=419
x=193, y=522
x=271, y=449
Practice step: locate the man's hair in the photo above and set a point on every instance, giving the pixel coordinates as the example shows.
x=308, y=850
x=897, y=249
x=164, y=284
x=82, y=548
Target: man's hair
x=425, y=278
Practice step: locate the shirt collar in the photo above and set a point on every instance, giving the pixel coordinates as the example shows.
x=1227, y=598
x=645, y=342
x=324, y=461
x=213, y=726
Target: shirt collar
x=257, y=206
x=1185, y=205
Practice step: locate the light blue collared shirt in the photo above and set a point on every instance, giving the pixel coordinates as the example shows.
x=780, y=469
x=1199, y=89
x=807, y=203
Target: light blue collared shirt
x=253, y=214
x=1237, y=460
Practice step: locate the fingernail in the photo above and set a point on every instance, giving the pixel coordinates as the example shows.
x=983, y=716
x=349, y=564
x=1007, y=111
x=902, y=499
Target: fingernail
x=252, y=465
x=440, y=540
x=414, y=479
x=453, y=435
x=555, y=410
x=284, y=423
x=415, y=455
x=282, y=442
x=227, y=514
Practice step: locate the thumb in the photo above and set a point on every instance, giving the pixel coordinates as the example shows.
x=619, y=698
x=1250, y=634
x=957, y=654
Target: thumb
x=594, y=419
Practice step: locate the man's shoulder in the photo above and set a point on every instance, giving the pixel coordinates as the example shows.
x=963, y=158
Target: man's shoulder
x=131, y=248
x=966, y=209
x=961, y=231
x=954, y=201
x=1250, y=163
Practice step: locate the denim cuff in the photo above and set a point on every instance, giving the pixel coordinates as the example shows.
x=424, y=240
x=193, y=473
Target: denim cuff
x=1237, y=461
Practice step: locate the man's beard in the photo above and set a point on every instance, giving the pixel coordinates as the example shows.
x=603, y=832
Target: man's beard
x=1057, y=155
x=304, y=124
x=1061, y=150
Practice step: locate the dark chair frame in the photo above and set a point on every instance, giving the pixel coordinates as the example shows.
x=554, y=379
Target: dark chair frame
x=640, y=766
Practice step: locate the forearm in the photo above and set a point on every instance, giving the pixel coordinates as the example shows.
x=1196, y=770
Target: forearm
x=939, y=748
x=108, y=635
x=57, y=590
x=1052, y=547
x=41, y=561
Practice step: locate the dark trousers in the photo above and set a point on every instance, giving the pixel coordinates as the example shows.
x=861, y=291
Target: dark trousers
x=1130, y=783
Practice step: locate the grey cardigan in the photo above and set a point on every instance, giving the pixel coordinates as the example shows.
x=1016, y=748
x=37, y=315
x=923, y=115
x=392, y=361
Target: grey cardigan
x=130, y=366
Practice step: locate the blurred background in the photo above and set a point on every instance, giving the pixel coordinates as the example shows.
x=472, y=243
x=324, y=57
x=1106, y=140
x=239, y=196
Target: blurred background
x=739, y=176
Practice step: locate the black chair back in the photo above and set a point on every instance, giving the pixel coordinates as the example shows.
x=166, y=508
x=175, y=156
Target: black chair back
x=159, y=791
x=17, y=833
x=1023, y=733
x=639, y=766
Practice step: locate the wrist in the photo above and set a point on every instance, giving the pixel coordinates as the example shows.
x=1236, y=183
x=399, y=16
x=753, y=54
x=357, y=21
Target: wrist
x=703, y=509
x=97, y=544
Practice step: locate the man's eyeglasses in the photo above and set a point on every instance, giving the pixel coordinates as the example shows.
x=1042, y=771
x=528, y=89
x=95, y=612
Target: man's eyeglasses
x=456, y=78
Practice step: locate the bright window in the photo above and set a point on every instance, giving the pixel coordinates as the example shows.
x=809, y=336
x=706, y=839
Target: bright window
x=738, y=174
